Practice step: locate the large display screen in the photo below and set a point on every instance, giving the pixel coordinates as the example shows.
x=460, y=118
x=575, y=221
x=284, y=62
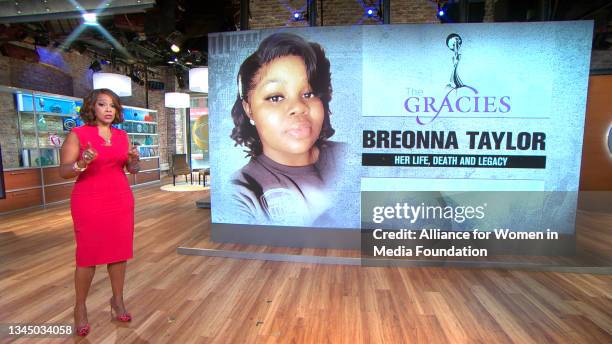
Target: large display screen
x=451, y=126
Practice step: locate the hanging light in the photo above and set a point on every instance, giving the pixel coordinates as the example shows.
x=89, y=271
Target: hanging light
x=198, y=79
x=90, y=19
x=176, y=100
x=120, y=84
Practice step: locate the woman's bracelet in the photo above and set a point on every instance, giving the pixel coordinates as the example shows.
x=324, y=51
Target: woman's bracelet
x=76, y=168
x=134, y=167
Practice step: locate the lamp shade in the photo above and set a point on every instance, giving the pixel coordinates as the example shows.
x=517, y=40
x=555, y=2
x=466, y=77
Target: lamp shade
x=120, y=84
x=176, y=100
x=198, y=79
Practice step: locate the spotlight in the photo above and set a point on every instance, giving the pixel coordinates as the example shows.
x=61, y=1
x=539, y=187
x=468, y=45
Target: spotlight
x=136, y=76
x=105, y=61
x=298, y=16
x=175, y=48
x=90, y=19
x=95, y=66
x=371, y=12
x=441, y=11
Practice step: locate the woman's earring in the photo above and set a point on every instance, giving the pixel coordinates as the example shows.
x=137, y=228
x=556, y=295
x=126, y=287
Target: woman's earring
x=252, y=122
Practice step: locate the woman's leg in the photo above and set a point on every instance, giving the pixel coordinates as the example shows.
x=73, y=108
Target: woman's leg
x=116, y=271
x=82, y=281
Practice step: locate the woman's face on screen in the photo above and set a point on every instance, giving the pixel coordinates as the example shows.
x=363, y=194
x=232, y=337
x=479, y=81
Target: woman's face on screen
x=288, y=116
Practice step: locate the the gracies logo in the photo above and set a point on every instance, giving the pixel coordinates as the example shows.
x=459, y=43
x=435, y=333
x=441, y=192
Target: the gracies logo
x=453, y=42
x=459, y=98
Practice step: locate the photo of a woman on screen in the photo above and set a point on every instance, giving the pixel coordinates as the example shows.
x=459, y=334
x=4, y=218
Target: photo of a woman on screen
x=282, y=117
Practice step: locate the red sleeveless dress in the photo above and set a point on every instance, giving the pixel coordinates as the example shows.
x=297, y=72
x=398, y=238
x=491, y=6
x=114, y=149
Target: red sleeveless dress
x=102, y=202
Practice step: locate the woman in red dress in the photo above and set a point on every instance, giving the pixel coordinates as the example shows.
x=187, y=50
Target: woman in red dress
x=102, y=203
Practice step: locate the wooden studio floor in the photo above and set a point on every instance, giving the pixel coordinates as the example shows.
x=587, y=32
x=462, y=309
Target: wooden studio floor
x=193, y=299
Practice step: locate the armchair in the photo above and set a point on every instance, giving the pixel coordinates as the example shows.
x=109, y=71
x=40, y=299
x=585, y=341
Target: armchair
x=180, y=167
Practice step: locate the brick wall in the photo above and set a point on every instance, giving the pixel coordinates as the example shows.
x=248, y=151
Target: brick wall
x=413, y=11
x=35, y=76
x=347, y=12
x=277, y=13
x=168, y=147
x=8, y=131
x=268, y=14
x=601, y=59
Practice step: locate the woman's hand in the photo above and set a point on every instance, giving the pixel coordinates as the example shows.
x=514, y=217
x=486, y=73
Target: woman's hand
x=133, y=165
x=89, y=155
x=72, y=162
x=133, y=155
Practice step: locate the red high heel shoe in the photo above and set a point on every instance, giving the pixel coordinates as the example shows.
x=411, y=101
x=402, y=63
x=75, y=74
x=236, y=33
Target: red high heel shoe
x=83, y=330
x=125, y=317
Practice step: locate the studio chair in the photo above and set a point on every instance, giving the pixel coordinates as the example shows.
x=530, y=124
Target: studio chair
x=202, y=173
x=180, y=167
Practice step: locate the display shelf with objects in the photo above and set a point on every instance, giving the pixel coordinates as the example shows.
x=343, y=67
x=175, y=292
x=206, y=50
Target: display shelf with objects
x=35, y=125
x=141, y=126
x=23, y=183
x=44, y=120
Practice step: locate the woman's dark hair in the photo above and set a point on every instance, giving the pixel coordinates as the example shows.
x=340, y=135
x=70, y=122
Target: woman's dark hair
x=88, y=114
x=273, y=47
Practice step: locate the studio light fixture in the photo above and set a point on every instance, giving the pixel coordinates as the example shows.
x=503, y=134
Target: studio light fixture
x=298, y=15
x=136, y=75
x=372, y=11
x=441, y=14
x=198, y=79
x=95, y=66
x=118, y=83
x=176, y=100
x=90, y=19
